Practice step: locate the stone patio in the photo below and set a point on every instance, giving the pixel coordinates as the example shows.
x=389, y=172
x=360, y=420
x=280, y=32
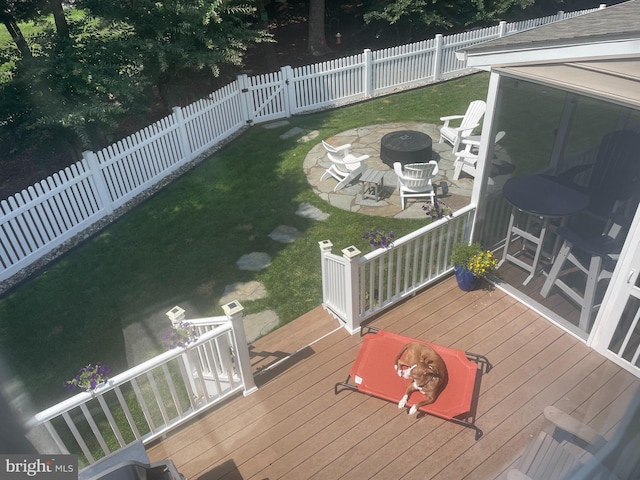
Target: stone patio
x=366, y=140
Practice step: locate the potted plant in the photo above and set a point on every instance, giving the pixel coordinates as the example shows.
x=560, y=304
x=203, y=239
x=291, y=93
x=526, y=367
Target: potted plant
x=89, y=377
x=471, y=263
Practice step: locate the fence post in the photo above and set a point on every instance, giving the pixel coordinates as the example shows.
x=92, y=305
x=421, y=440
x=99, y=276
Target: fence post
x=502, y=28
x=182, y=134
x=325, y=247
x=437, y=58
x=101, y=186
x=233, y=310
x=367, y=75
x=244, y=100
x=559, y=15
x=352, y=286
x=286, y=73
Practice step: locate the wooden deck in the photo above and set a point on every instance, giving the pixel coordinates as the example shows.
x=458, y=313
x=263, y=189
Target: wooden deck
x=295, y=427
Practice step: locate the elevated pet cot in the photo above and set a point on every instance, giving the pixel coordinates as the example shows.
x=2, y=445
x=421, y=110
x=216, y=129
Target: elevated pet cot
x=372, y=373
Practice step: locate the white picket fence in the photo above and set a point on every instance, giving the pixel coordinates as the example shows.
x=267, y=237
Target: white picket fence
x=148, y=400
x=356, y=287
x=43, y=217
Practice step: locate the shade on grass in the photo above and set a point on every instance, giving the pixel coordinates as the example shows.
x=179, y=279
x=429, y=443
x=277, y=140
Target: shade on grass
x=181, y=246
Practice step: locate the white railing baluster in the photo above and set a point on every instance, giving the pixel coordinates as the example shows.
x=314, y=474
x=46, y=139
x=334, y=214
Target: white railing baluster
x=78, y=437
x=56, y=438
x=112, y=422
x=158, y=397
x=127, y=413
x=94, y=428
x=143, y=405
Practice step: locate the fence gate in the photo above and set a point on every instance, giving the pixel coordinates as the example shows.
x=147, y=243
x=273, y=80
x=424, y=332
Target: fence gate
x=265, y=96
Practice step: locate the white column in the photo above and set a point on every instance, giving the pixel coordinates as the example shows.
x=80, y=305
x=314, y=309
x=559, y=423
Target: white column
x=352, y=285
x=233, y=310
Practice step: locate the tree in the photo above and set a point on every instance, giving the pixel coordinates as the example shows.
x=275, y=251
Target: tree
x=407, y=16
x=179, y=37
x=10, y=12
x=58, y=15
x=317, y=44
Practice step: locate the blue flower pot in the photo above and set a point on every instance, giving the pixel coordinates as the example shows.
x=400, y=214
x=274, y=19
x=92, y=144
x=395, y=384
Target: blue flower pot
x=467, y=281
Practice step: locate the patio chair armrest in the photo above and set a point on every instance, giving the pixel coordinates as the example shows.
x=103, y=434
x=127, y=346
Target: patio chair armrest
x=451, y=117
x=465, y=154
x=354, y=159
x=344, y=147
x=463, y=129
x=574, y=427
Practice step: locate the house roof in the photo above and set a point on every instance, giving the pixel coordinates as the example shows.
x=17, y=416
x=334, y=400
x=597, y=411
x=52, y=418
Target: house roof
x=597, y=54
x=607, y=32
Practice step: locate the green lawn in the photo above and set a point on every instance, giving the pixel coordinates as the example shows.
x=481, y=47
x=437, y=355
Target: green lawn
x=181, y=246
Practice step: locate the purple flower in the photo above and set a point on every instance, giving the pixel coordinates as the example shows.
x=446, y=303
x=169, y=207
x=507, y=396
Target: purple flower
x=377, y=239
x=89, y=377
x=180, y=336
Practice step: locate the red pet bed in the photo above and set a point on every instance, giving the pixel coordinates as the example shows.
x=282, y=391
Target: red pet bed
x=373, y=373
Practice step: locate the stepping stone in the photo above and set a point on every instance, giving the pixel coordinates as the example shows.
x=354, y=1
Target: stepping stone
x=291, y=133
x=254, y=261
x=243, y=291
x=258, y=324
x=307, y=210
x=309, y=136
x=285, y=234
x=281, y=123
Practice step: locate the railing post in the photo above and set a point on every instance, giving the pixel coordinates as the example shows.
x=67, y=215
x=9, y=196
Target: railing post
x=352, y=286
x=325, y=247
x=176, y=316
x=233, y=310
x=367, y=76
x=437, y=58
x=559, y=15
x=182, y=133
x=101, y=186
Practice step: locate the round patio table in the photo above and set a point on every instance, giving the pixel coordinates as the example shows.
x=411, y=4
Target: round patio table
x=405, y=146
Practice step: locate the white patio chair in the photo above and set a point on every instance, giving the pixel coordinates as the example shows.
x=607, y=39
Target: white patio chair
x=345, y=167
x=467, y=159
x=414, y=180
x=468, y=121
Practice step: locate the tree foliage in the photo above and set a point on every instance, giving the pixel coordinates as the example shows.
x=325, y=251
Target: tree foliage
x=175, y=37
x=409, y=16
x=79, y=80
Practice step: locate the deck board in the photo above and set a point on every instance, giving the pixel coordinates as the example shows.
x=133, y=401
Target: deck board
x=295, y=427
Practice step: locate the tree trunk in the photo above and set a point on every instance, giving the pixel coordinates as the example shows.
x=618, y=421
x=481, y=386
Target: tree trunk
x=317, y=44
x=61, y=22
x=16, y=34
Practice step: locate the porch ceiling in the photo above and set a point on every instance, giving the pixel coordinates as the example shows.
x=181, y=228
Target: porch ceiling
x=613, y=80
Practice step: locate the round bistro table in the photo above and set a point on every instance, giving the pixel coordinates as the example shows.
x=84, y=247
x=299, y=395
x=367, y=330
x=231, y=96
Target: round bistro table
x=405, y=146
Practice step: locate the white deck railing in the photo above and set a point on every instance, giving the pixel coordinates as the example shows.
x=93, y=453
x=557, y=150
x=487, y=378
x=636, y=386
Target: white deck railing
x=355, y=287
x=149, y=399
x=43, y=217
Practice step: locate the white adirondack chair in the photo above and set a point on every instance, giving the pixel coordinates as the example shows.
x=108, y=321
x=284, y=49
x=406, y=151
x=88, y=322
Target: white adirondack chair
x=468, y=121
x=345, y=167
x=467, y=159
x=414, y=180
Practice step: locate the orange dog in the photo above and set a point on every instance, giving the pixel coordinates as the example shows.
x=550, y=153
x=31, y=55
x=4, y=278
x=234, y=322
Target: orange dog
x=426, y=368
